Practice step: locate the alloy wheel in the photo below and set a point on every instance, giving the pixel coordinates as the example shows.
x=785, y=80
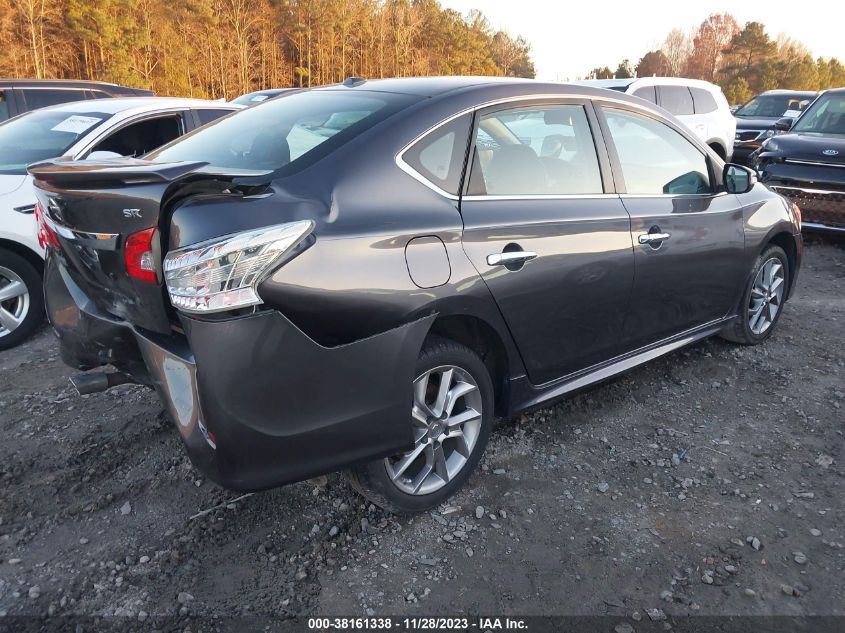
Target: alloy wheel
x=14, y=301
x=446, y=416
x=766, y=296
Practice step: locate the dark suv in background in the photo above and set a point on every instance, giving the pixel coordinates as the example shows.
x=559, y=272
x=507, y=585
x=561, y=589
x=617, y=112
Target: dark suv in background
x=756, y=119
x=22, y=95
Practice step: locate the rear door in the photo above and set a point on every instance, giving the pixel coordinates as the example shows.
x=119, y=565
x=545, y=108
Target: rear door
x=547, y=233
x=687, y=234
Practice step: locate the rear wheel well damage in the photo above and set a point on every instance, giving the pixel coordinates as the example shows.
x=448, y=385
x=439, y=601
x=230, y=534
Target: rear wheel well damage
x=480, y=337
x=787, y=243
x=25, y=252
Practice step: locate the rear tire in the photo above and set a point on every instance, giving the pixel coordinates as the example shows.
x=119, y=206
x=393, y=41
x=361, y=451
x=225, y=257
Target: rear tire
x=762, y=302
x=21, y=299
x=451, y=427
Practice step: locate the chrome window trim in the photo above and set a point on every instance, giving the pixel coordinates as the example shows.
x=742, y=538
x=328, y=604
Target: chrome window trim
x=798, y=161
x=542, y=196
x=694, y=196
x=400, y=162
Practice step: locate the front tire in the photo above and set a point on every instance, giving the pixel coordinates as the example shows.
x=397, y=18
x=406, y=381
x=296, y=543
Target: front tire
x=451, y=417
x=762, y=302
x=21, y=299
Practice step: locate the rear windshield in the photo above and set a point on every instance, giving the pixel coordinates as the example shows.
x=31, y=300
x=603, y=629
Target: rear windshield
x=285, y=135
x=42, y=134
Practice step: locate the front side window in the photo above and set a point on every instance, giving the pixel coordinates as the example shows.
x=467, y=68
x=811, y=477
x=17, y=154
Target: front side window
x=825, y=116
x=546, y=150
x=285, y=135
x=139, y=138
x=655, y=159
x=676, y=99
x=42, y=134
x=439, y=156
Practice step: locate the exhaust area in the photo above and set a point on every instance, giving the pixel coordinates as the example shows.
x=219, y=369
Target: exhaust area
x=100, y=381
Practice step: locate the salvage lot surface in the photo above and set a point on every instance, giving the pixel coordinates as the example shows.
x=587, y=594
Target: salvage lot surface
x=579, y=508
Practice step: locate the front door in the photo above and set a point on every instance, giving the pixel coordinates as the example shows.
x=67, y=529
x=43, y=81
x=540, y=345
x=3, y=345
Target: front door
x=548, y=235
x=687, y=235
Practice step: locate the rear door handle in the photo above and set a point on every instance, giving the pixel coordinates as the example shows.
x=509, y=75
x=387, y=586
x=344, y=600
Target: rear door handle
x=512, y=257
x=653, y=238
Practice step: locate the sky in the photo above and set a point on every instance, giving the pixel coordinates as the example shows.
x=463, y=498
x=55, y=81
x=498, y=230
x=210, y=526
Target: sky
x=569, y=38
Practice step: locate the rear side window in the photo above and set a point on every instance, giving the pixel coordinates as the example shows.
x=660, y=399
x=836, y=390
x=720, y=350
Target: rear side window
x=546, y=150
x=439, y=156
x=676, y=99
x=42, y=97
x=655, y=159
x=286, y=135
x=703, y=101
x=4, y=106
x=647, y=92
x=207, y=115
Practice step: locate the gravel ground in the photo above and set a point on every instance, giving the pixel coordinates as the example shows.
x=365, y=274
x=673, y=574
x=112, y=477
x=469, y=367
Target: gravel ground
x=707, y=482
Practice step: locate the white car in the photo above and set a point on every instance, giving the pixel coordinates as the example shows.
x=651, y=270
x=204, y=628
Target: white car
x=699, y=105
x=128, y=126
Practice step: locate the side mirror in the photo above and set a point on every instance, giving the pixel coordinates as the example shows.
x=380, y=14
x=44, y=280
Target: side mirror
x=738, y=178
x=103, y=155
x=784, y=124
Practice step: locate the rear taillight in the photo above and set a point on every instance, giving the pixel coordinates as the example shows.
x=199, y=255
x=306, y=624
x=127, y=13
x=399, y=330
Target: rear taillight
x=139, y=254
x=47, y=237
x=222, y=274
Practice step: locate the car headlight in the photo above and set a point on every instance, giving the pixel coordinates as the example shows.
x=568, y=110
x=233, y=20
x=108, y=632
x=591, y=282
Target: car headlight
x=770, y=145
x=765, y=134
x=223, y=273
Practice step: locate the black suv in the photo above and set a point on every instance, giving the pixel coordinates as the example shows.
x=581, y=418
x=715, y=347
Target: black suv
x=755, y=120
x=807, y=164
x=22, y=95
x=363, y=276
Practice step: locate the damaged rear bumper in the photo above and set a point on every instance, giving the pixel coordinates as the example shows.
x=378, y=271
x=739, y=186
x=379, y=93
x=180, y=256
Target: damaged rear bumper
x=257, y=403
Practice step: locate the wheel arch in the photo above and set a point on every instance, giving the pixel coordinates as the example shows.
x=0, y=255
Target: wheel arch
x=786, y=241
x=23, y=251
x=481, y=337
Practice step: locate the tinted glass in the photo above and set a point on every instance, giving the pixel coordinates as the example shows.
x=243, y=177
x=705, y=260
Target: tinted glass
x=41, y=135
x=655, y=158
x=676, y=99
x=774, y=106
x=286, y=135
x=141, y=137
x=535, y=151
x=4, y=107
x=825, y=116
x=703, y=101
x=439, y=156
x=41, y=97
x=648, y=93
x=207, y=115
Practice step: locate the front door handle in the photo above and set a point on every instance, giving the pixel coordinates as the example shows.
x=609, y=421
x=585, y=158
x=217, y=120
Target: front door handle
x=654, y=238
x=511, y=257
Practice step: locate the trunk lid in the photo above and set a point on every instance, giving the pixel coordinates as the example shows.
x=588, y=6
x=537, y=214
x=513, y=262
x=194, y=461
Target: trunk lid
x=94, y=206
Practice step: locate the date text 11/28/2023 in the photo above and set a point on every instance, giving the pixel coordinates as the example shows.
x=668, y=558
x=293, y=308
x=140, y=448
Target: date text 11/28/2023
x=418, y=624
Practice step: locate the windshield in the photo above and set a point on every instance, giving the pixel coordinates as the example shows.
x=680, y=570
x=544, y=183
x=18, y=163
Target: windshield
x=42, y=134
x=827, y=116
x=774, y=106
x=285, y=135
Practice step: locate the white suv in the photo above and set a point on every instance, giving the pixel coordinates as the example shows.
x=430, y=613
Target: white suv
x=700, y=105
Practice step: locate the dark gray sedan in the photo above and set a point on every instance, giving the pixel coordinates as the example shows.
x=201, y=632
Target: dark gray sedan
x=363, y=276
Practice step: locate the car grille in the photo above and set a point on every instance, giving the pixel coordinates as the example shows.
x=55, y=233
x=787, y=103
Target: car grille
x=742, y=135
x=820, y=206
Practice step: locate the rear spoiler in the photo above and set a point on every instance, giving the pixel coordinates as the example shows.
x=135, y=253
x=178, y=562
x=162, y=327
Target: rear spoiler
x=133, y=171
